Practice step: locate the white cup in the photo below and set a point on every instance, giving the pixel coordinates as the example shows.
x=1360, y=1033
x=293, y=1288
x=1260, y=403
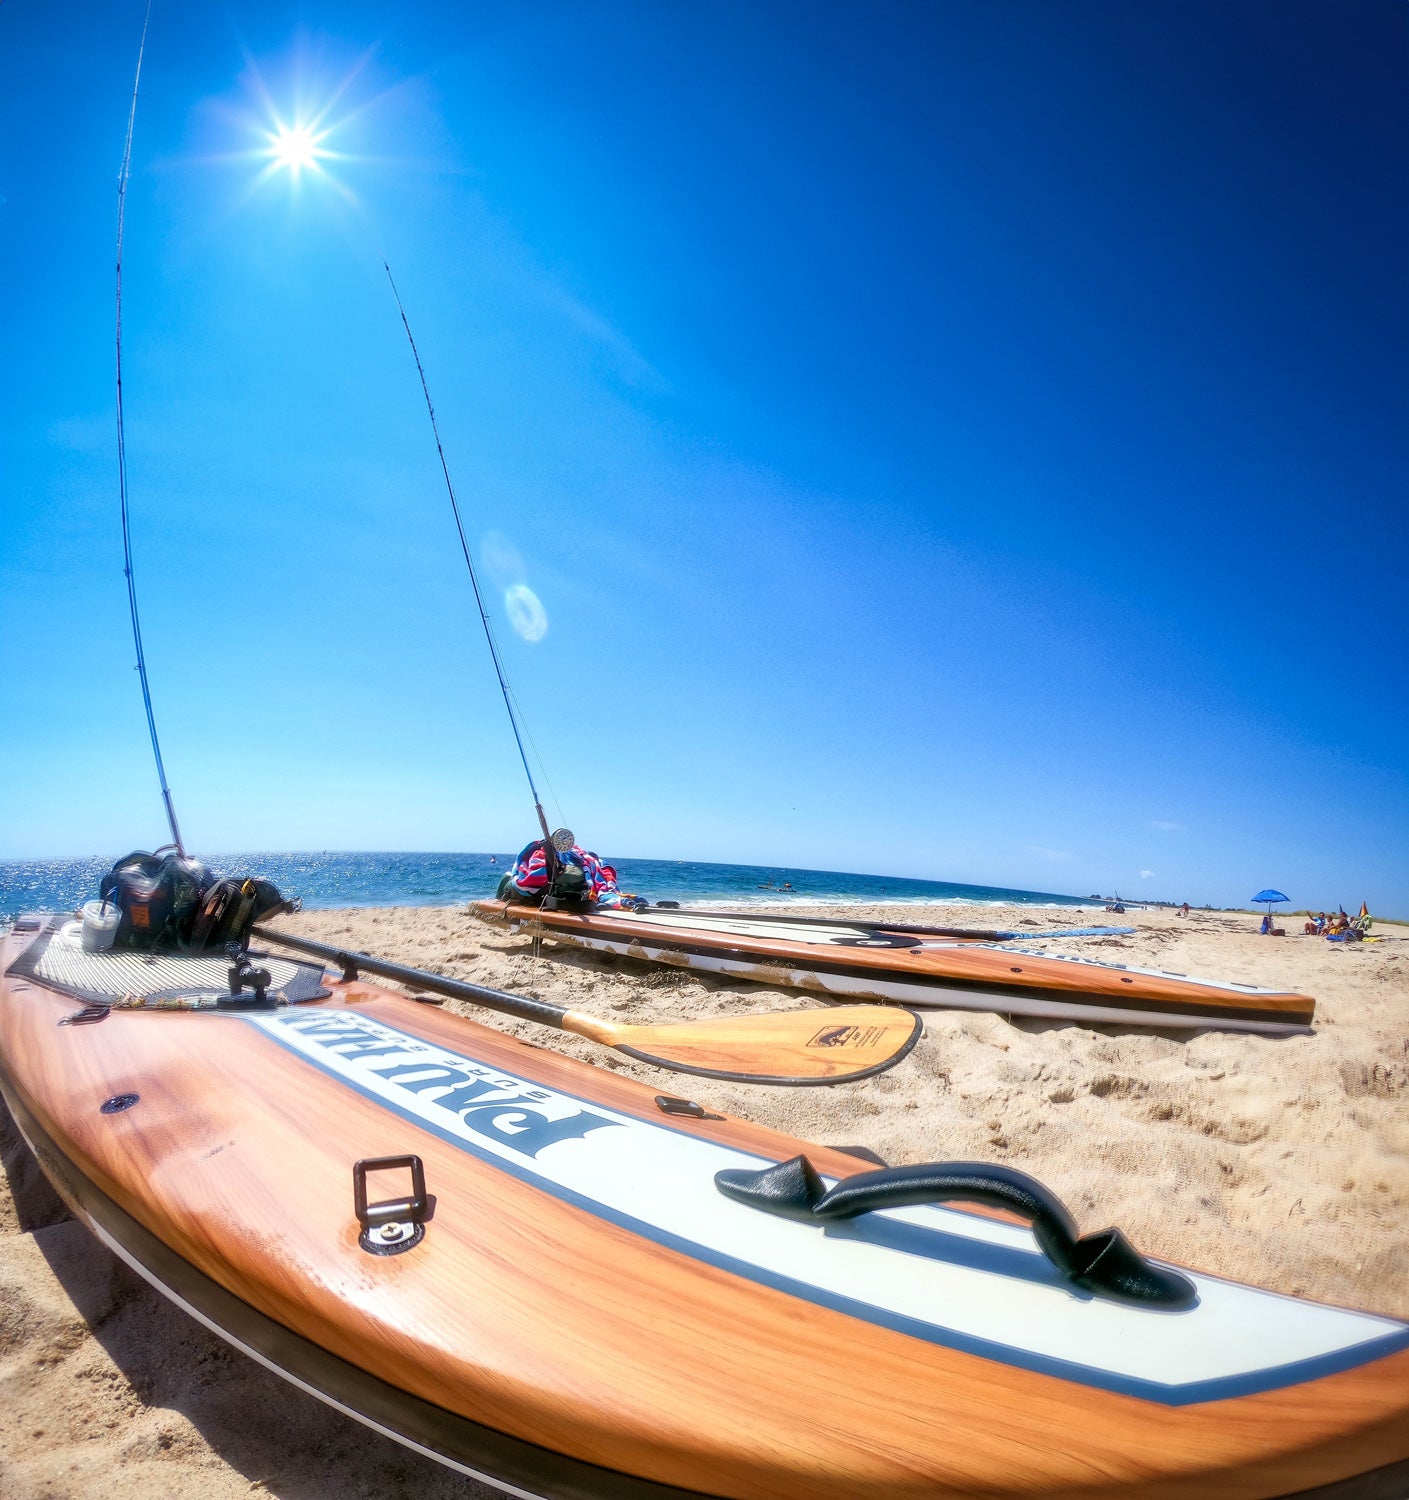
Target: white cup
x=100, y=919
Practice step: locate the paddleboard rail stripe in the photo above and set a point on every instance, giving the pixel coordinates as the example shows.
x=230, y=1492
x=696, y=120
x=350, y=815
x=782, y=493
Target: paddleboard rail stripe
x=1189, y=1393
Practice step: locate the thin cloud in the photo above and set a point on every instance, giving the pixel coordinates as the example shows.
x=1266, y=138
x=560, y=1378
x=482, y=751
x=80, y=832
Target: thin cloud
x=502, y=560
x=631, y=366
x=1147, y=874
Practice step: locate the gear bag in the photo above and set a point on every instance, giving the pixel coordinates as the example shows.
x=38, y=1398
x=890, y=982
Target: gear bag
x=170, y=902
x=581, y=880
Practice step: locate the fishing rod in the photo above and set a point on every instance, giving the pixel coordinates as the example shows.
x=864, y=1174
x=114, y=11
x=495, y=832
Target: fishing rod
x=553, y=843
x=123, y=175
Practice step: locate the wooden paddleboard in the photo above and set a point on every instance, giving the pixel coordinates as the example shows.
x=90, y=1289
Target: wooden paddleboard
x=858, y=961
x=582, y=1312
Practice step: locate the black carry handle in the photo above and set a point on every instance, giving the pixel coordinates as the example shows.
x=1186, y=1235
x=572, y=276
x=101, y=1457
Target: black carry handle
x=1104, y=1263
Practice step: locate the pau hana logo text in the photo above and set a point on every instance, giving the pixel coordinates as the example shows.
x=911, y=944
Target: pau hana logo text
x=451, y=1092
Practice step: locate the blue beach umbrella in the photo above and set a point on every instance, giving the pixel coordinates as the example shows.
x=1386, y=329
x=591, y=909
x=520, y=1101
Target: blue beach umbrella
x=1271, y=898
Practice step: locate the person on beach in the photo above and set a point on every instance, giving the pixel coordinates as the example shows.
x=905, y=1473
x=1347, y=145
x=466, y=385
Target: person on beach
x=1343, y=930
x=1183, y=910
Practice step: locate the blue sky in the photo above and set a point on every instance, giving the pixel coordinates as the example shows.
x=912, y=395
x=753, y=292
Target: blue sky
x=963, y=441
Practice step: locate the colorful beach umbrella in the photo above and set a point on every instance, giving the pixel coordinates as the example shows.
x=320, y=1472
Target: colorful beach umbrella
x=1271, y=898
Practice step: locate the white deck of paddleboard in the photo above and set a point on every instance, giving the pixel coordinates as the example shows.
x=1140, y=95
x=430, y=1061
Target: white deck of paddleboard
x=935, y=1273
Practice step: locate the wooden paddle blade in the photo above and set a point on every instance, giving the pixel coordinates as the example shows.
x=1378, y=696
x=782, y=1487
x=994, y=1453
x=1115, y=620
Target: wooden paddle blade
x=796, y=1047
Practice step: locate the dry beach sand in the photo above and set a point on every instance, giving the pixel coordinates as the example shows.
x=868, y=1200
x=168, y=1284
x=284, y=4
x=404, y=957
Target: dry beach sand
x=1284, y=1163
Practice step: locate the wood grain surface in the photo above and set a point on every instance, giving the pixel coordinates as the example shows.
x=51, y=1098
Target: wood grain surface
x=962, y=961
x=533, y=1316
x=807, y=1046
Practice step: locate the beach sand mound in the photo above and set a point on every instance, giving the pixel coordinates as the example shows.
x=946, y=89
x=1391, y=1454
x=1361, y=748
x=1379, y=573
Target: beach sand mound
x=1284, y=1163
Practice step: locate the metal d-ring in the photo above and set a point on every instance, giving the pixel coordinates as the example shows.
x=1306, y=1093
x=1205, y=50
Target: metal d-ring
x=397, y=1224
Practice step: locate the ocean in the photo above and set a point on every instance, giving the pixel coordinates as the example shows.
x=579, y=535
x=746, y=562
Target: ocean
x=346, y=879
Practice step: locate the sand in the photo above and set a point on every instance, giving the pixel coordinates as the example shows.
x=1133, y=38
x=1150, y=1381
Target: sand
x=1284, y=1163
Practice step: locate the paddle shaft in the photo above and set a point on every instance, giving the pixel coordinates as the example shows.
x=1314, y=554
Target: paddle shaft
x=795, y=1048
x=579, y=1023
x=519, y=1006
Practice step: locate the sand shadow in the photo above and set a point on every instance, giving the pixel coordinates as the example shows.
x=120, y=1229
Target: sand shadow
x=1040, y=1025
x=656, y=975
x=35, y=1203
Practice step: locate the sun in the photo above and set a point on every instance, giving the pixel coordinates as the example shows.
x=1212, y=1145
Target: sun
x=298, y=129
x=296, y=148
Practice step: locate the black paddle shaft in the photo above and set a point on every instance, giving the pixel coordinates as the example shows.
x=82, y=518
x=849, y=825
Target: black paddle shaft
x=456, y=989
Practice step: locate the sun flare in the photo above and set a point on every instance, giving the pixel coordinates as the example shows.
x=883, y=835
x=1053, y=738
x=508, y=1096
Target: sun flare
x=295, y=147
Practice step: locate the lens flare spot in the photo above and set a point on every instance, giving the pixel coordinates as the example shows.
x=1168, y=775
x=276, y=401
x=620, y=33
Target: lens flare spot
x=526, y=613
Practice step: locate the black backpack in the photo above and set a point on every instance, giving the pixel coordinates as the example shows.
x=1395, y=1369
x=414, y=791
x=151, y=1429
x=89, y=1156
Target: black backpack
x=171, y=902
x=230, y=907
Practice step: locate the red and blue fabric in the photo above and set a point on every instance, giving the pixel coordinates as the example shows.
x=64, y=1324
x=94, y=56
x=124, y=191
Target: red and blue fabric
x=530, y=877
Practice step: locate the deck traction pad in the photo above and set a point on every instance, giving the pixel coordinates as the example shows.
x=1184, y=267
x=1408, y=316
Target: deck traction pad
x=57, y=960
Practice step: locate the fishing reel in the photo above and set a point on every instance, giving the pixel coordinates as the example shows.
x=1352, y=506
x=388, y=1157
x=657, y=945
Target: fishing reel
x=567, y=886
